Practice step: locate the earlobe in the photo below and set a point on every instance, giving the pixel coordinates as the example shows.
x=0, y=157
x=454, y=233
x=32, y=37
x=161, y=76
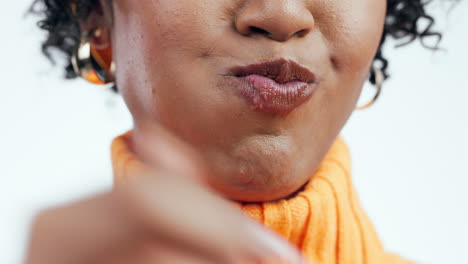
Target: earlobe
x=94, y=63
x=101, y=38
x=98, y=23
x=101, y=48
x=92, y=60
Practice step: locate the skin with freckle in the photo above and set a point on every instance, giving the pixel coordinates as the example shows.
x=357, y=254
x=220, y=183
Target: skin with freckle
x=172, y=58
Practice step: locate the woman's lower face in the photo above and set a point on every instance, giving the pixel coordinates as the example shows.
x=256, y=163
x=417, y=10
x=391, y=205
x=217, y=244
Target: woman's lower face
x=175, y=62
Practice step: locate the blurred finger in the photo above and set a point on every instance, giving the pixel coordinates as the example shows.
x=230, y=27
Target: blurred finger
x=199, y=221
x=168, y=152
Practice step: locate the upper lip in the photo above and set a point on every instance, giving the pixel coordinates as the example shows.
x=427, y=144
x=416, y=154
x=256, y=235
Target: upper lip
x=280, y=70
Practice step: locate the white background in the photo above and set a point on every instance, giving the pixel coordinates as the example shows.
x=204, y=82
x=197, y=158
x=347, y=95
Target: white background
x=409, y=152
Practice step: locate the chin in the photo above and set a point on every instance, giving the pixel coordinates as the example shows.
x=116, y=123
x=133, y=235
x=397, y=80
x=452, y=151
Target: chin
x=262, y=169
x=262, y=187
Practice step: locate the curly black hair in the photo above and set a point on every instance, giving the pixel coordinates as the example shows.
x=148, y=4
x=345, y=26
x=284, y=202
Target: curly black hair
x=403, y=23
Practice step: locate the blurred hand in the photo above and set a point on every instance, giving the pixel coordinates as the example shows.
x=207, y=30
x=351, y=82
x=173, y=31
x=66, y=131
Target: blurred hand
x=156, y=218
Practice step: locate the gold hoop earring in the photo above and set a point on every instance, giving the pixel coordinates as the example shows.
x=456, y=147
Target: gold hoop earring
x=379, y=80
x=91, y=65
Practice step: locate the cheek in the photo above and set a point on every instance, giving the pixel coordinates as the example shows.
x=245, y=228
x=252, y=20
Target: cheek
x=357, y=35
x=152, y=42
x=353, y=30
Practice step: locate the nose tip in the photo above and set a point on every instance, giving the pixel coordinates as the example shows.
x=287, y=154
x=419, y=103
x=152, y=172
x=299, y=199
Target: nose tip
x=278, y=20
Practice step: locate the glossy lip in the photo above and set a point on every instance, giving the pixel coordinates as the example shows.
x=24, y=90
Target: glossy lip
x=276, y=87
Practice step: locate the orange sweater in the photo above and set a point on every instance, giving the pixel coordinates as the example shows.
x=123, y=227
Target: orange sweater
x=324, y=220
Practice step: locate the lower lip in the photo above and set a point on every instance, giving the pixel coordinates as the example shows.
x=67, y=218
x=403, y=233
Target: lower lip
x=266, y=95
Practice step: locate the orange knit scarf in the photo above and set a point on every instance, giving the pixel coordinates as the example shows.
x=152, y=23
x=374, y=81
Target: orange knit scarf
x=324, y=220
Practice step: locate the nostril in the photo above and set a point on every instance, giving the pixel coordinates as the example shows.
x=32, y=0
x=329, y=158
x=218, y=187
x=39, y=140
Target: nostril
x=302, y=33
x=259, y=31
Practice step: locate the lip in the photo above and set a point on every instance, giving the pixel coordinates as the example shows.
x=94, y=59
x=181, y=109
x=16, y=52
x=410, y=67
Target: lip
x=276, y=87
